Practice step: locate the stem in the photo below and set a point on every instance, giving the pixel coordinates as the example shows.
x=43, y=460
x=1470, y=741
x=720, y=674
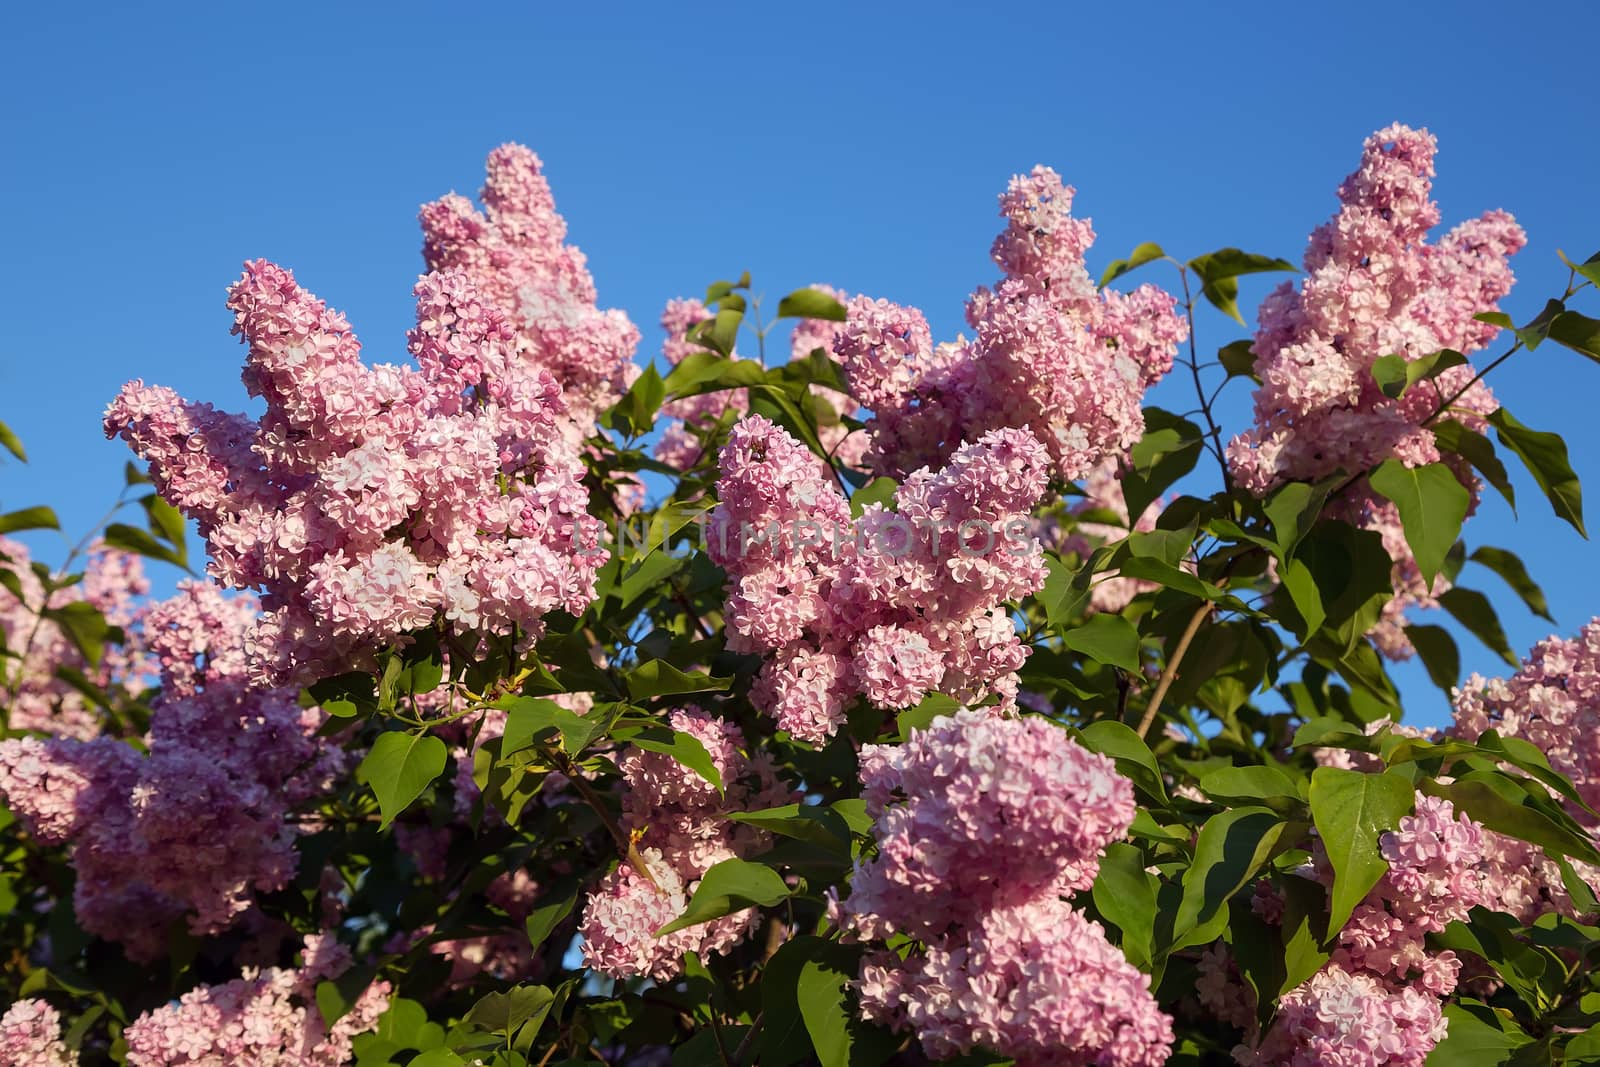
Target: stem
x=1171, y=670
x=1215, y=444
x=744, y=1046
x=1444, y=405
x=716, y=1033
x=624, y=844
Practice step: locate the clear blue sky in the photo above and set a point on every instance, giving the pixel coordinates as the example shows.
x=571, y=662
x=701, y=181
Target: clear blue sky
x=144, y=155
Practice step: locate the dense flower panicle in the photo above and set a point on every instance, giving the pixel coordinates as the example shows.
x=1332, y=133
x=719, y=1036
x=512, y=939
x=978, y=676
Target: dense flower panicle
x=113, y=583
x=197, y=826
x=513, y=253
x=1339, y=1019
x=266, y=1018
x=369, y=501
x=1435, y=877
x=976, y=810
x=1035, y=981
x=679, y=820
x=891, y=605
x=30, y=1036
x=1375, y=287
x=624, y=912
x=1552, y=702
x=1051, y=354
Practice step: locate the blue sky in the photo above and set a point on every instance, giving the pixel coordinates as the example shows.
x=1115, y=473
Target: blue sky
x=143, y=156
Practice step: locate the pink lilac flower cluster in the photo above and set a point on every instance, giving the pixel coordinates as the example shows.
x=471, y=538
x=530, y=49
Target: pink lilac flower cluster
x=889, y=606
x=199, y=824
x=30, y=1036
x=982, y=823
x=41, y=700
x=1434, y=878
x=1381, y=966
x=1051, y=353
x=513, y=254
x=265, y=1018
x=1374, y=287
x=677, y=818
x=367, y=502
x=1351, y=1020
x=1553, y=703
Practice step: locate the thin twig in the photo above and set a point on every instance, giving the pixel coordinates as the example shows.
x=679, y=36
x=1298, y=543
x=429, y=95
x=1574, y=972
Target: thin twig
x=624, y=843
x=1171, y=670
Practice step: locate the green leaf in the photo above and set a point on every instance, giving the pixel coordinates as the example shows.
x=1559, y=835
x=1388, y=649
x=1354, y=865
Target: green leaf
x=686, y=748
x=1545, y=456
x=1258, y=782
x=1350, y=811
x=839, y=1037
x=1232, y=847
x=730, y=886
x=1127, y=749
x=1292, y=510
x=336, y=998
x=1509, y=566
x=1148, y=252
x=1479, y=1037
x=784, y=1040
x=1479, y=451
x=1125, y=895
x=84, y=626
x=1432, y=506
x=507, y=1013
x=132, y=539
x=635, y=412
x=708, y=372
x=810, y=304
x=720, y=332
x=344, y=695
x=1397, y=374
x=166, y=522
x=1472, y=609
x=528, y=719
x=877, y=491
x=1168, y=450
x=1584, y=1048
x=1109, y=639
x=1497, y=802
x=543, y=920
x=1577, y=332
x=405, y=1025
x=657, y=678
x=1438, y=652
x=1589, y=268
x=35, y=518
x=12, y=443
x=920, y=717
x=812, y=823
x=399, y=767
x=1304, y=931
x=1238, y=359
x=1219, y=272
